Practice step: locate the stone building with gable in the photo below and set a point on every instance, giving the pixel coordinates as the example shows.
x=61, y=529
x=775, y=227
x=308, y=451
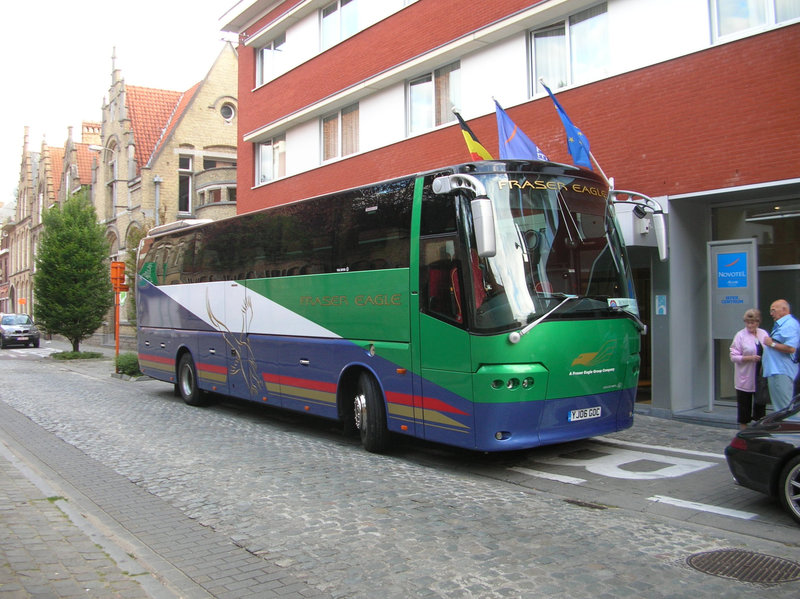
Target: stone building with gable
x=165, y=156
x=47, y=176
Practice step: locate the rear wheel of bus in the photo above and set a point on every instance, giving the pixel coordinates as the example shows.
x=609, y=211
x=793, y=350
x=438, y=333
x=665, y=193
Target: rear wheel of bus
x=187, y=383
x=369, y=414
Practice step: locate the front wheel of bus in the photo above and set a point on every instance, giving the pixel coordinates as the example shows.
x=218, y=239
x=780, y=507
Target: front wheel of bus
x=369, y=415
x=187, y=383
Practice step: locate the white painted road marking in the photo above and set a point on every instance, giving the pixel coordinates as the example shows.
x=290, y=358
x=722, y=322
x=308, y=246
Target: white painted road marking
x=703, y=507
x=703, y=454
x=610, y=464
x=570, y=480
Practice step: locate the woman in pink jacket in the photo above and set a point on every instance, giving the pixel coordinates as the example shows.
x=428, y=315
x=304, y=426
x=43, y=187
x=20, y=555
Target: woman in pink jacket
x=746, y=351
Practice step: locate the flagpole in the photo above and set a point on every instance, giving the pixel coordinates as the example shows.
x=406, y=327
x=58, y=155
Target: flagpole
x=591, y=156
x=602, y=173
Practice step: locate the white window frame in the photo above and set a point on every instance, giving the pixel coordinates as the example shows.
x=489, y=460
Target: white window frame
x=768, y=18
x=185, y=174
x=340, y=146
x=271, y=60
x=270, y=160
x=333, y=28
x=421, y=112
x=565, y=60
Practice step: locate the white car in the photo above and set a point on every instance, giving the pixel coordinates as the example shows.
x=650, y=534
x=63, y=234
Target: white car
x=18, y=329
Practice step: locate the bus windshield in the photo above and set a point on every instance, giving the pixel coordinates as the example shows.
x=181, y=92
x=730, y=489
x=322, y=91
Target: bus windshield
x=557, y=240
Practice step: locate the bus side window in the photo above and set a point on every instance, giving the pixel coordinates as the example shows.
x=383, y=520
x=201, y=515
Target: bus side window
x=441, y=281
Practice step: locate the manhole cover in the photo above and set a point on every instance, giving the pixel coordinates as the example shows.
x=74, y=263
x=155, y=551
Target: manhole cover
x=745, y=566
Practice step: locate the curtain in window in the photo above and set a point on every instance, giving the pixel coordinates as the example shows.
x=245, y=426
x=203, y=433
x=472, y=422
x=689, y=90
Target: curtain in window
x=264, y=162
x=588, y=35
x=786, y=10
x=447, y=84
x=330, y=25
x=550, y=57
x=350, y=130
x=279, y=156
x=330, y=137
x=349, y=18
x=420, y=104
x=739, y=15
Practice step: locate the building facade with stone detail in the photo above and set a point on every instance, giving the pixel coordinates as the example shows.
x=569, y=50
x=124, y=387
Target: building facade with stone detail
x=47, y=176
x=165, y=156
x=155, y=157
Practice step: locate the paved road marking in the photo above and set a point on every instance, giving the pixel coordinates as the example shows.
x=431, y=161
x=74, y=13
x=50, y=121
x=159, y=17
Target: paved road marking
x=703, y=507
x=611, y=464
x=570, y=480
x=704, y=454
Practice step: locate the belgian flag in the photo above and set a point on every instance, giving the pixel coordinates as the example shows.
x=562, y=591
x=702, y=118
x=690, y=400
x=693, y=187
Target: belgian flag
x=476, y=150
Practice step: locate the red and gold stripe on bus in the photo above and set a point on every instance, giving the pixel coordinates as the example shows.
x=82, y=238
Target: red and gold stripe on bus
x=430, y=411
x=157, y=363
x=212, y=372
x=301, y=389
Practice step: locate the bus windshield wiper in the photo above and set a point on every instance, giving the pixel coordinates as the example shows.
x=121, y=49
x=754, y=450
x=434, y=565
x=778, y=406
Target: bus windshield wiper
x=639, y=324
x=515, y=336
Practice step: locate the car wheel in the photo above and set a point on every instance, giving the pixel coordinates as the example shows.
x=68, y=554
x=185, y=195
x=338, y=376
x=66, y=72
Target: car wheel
x=187, y=385
x=789, y=488
x=36, y=343
x=370, y=415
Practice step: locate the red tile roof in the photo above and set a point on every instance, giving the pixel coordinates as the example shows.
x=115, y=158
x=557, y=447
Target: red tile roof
x=85, y=156
x=149, y=111
x=55, y=170
x=183, y=104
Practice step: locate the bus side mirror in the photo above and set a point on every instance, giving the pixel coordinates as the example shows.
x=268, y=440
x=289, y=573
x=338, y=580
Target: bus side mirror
x=482, y=213
x=483, y=220
x=660, y=229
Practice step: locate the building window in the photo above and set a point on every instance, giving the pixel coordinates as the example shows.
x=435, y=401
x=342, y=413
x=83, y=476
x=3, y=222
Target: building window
x=338, y=21
x=209, y=163
x=227, y=111
x=232, y=194
x=271, y=60
x=340, y=133
x=735, y=16
x=271, y=160
x=185, y=184
x=432, y=97
x=572, y=51
x=112, y=174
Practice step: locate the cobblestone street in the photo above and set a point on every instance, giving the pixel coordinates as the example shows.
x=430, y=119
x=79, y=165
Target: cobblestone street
x=234, y=501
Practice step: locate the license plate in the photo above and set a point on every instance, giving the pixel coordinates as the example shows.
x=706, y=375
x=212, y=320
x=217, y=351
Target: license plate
x=22, y=338
x=585, y=414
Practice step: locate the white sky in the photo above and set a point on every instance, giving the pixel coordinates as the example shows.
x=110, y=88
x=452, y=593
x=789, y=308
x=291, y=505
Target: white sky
x=55, y=63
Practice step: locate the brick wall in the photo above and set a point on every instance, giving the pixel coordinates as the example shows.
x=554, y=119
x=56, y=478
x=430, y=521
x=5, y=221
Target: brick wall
x=722, y=117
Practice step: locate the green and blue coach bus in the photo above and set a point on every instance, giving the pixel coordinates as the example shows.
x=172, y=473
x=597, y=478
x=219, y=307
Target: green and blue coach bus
x=486, y=305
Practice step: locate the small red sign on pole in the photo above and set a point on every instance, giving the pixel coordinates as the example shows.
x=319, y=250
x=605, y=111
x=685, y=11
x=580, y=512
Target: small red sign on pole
x=118, y=281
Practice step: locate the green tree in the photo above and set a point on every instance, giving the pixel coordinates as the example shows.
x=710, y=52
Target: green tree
x=72, y=284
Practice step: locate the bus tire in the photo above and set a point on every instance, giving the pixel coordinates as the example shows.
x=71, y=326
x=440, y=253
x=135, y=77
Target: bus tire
x=369, y=414
x=187, y=383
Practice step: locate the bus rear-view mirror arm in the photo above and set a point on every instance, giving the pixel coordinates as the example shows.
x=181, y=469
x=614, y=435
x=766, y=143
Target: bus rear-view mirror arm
x=482, y=212
x=643, y=204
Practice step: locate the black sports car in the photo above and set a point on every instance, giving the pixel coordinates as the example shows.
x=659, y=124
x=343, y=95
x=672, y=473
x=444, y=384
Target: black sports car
x=765, y=457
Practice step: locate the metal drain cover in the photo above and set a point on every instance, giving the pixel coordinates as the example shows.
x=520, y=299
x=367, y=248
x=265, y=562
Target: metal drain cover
x=745, y=566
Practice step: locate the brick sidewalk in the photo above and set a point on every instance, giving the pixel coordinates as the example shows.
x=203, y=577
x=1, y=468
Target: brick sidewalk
x=44, y=554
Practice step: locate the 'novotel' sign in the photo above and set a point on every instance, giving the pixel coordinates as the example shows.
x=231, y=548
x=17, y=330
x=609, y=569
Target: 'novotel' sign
x=732, y=270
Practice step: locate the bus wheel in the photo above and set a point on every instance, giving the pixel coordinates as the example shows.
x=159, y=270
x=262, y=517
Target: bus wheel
x=187, y=383
x=369, y=415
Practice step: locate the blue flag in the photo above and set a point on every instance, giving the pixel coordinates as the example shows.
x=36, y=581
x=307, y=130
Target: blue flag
x=514, y=144
x=577, y=144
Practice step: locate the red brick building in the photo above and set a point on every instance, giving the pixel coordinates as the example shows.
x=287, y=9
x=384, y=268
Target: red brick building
x=692, y=102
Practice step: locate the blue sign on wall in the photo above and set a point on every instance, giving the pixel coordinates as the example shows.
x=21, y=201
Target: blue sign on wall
x=732, y=270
